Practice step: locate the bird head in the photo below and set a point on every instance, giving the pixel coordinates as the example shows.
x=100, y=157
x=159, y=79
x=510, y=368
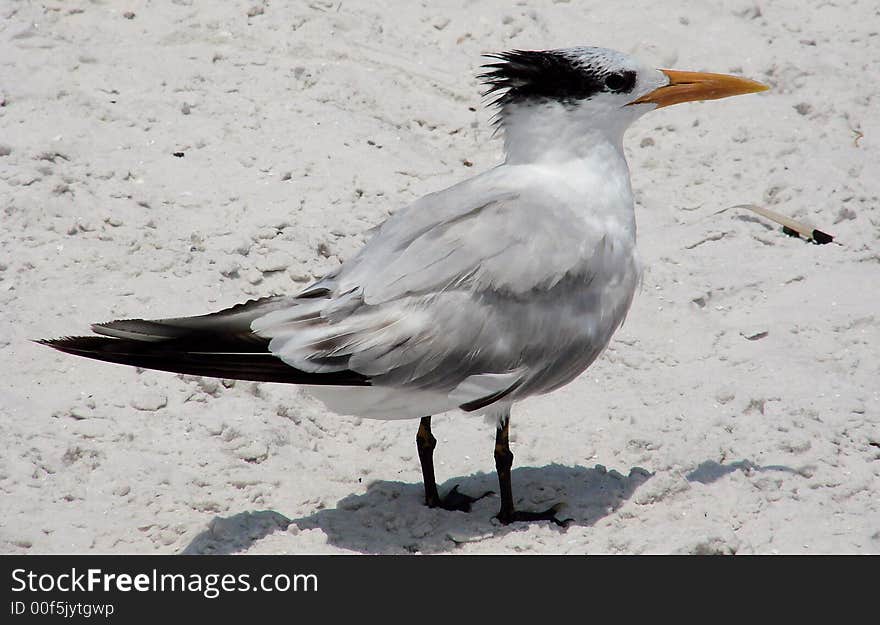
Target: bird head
x=575, y=95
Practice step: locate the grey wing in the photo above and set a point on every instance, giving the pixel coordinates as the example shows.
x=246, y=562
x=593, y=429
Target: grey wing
x=479, y=235
x=466, y=292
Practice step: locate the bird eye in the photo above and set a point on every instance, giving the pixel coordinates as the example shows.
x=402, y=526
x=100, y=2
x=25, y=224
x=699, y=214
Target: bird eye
x=620, y=82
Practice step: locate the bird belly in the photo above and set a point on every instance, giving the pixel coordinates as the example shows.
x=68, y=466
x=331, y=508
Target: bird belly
x=382, y=402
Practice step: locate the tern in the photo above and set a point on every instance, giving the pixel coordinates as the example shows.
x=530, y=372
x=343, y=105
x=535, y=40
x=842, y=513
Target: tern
x=503, y=286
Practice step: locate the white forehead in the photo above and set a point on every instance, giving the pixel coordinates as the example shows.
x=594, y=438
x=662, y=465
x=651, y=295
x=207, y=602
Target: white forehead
x=601, y=58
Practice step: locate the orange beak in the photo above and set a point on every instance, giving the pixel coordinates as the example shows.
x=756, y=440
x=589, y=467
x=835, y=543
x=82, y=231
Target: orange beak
x=691, y=86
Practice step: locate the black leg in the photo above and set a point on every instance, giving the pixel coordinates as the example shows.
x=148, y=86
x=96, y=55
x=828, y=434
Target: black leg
x=503, y=463
x=454, y=500
x=425, y=443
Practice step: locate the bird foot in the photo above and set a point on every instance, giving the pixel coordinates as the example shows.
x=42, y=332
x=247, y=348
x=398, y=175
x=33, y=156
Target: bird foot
x=455, y=500
x=512, y=516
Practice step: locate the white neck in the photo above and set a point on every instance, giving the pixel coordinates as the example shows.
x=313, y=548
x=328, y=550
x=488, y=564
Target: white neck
x=581, y=149
x=552, y=133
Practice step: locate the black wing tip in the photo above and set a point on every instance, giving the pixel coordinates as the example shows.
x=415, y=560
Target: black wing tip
x=68, y=343
x=174, y=357
x=130, y=326
x=482, y=402
x=56, y=342
x=110, y=323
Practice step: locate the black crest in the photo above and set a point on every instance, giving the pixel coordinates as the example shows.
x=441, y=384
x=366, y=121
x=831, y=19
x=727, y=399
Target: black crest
x=523, y=75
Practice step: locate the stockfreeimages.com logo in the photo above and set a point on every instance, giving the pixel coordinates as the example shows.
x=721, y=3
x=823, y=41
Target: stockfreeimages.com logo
x=210, y=585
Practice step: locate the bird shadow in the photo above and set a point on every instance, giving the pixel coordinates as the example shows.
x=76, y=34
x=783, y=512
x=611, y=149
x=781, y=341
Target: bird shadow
x=390, y=517
x=232, y=534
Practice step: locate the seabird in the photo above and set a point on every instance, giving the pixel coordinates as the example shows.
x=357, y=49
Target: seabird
x=505, y=285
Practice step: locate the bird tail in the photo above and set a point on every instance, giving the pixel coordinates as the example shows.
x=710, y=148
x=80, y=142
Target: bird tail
x=218, y=345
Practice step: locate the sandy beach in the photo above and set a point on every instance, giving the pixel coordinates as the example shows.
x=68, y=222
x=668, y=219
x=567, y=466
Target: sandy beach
x=171, y=158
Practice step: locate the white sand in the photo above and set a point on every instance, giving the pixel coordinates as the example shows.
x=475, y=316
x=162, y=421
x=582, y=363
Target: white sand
x=308, y=122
